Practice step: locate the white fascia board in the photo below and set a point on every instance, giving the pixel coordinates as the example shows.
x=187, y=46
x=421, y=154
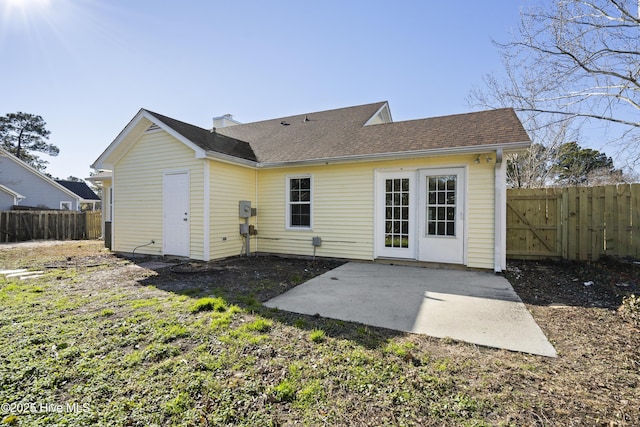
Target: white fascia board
x=512, y=146
x=230, y=159
x=115, y=152
x=39, y=174
x=102, y=161
x=99, y=178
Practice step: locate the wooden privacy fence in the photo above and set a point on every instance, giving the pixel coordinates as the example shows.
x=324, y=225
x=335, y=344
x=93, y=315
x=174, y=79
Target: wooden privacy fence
x=18, y=226
x=576, y=223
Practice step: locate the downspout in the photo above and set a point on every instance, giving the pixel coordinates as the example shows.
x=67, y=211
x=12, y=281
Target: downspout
x=257, y=212
x=500, y=209
x=112, y=212
x=206, y=241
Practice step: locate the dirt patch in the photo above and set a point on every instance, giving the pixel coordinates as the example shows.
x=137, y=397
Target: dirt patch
x=602, y=284
x=237, y=279
x=578, y=306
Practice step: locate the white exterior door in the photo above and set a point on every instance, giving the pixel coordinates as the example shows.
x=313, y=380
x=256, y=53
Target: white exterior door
x=176, y=214
x=395, y=212
x=441, y=215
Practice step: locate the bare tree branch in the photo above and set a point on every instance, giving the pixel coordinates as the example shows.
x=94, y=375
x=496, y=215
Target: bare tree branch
x=576, y=59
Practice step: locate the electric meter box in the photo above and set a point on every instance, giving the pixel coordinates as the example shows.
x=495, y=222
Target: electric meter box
x=245, y=208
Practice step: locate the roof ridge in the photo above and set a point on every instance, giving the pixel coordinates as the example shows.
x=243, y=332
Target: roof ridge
x=162, y=116
x=448, y=116
x=330, y=110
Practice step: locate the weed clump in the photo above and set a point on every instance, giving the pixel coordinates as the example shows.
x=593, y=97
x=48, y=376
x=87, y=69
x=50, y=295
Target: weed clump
x=317, y=336
x=285, y=391
x=259, y=325
x=209, y=304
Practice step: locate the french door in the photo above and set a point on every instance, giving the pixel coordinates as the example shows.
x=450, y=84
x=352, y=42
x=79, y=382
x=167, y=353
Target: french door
x=420, y=215
x=441, y=215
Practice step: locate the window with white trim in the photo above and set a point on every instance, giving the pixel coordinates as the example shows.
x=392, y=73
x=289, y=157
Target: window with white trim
x=299, y=197
x=65, y=206
x=441, y=205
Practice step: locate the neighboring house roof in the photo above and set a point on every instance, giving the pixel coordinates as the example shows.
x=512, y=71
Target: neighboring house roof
x=359, y=132
x=32, y=170
x=11, y=192
x=79, y=188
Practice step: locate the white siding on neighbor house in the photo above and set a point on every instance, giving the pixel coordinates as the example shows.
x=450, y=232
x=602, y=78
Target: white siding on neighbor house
x=138, y=194
x=37, y=190
x=343, y=208
x=228, y=185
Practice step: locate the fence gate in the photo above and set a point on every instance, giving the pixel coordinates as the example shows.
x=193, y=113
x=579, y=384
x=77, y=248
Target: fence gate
x=582, y=223
x=534, y=226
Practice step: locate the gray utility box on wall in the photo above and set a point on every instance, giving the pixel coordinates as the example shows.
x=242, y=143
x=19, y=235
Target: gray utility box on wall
x=245, y=208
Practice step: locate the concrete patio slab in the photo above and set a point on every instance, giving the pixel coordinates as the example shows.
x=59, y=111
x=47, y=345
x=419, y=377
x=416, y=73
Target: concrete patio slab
x=475, y=307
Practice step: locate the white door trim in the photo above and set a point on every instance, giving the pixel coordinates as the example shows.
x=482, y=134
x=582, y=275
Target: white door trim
x=461, y=218
x=184, y=247
x=380, y=248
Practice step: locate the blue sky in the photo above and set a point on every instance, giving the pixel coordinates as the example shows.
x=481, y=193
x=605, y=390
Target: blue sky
x=87, y=66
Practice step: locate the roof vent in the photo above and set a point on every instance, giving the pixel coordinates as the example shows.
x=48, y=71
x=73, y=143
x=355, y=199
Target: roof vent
x=283, y=123
x=306, y=118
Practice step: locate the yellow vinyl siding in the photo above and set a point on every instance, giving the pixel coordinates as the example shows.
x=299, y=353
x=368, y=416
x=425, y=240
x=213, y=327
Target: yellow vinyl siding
x=228, y=185
x=480, y=215
x=342, y=212
x=343, y=208
x=138, y=193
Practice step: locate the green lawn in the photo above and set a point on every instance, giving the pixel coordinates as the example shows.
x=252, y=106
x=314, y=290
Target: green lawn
x=101, y=345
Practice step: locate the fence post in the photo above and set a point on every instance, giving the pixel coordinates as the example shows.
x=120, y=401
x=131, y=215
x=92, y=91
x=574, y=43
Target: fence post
x=622, y=203
x=564, y=223
x=634, y=249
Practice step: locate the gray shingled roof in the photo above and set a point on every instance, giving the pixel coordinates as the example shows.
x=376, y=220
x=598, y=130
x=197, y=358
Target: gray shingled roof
x=341, y=133
x=210, y=141
x=79, y=188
